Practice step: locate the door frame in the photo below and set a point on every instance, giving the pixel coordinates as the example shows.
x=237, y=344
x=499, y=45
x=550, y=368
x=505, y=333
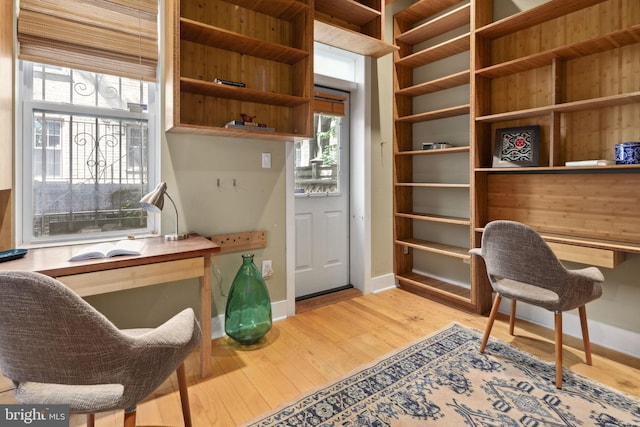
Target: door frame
x=360, y=179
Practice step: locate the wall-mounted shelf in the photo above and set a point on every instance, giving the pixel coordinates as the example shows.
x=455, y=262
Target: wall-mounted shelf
x=443, y=113
x=265, y=47
x=440, y=51
x=355, y=26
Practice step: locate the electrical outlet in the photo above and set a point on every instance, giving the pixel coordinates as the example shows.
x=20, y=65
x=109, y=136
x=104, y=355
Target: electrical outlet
x=267, y=271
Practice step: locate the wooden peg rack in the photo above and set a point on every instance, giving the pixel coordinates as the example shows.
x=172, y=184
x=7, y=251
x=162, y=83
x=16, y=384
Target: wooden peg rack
x=236, y=242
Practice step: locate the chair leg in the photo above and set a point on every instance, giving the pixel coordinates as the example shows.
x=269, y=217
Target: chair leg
x=492, y=317
x=558, y=326
x=184, y=395
x=130, y=417
x=512, y=318
x=91, y=420
x=585, y=333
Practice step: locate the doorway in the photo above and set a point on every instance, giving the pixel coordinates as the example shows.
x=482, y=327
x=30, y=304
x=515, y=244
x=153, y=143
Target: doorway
x=322, y=198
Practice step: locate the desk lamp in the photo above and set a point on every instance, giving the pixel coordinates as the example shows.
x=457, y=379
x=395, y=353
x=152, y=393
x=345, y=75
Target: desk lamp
x=154, y=201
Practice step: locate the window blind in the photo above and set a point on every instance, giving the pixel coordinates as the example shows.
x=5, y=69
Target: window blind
x=117, y=37
x=328, y=104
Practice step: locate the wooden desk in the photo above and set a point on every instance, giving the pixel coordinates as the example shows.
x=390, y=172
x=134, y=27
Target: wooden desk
x=162, y=261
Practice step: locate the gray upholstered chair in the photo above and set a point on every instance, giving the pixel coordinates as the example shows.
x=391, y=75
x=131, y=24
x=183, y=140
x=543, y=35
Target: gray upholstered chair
x=58, y=349
x=522, y=267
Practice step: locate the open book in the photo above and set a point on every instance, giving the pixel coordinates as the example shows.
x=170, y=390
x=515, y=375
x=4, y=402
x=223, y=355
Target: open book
x=109, y=249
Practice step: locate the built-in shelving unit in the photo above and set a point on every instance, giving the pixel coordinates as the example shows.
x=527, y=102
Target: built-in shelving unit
x=432, y=211
x=267, y=47
x=355, y=26
x=567, y=66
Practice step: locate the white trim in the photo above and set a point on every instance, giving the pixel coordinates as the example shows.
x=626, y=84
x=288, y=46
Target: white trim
x=383, y=283
x=360, y=209
x=605, y=335
x=290, y=235
x=278, y=312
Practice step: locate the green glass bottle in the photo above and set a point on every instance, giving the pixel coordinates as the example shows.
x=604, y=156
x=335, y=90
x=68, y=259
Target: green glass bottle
x=247, y=317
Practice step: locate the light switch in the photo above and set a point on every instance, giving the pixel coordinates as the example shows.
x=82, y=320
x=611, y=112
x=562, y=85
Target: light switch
x=266, y=160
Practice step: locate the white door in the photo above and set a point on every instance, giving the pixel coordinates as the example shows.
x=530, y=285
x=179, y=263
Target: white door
x=322, y=199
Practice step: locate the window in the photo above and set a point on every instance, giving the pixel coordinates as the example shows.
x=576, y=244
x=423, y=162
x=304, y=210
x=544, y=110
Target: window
x=87, y=156
x=317, y=160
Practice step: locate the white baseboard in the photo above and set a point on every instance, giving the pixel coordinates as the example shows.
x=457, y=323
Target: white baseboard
x=278, y=312
x=383, y=283
x=600, y=333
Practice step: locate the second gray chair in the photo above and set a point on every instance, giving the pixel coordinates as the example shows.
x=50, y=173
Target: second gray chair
x=58, y=349
x=522, y=267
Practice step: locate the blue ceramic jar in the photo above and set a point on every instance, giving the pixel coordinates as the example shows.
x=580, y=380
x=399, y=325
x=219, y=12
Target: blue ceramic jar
x=628, y=153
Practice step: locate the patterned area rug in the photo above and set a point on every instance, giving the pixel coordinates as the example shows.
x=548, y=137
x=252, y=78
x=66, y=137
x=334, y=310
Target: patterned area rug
x=445, y=380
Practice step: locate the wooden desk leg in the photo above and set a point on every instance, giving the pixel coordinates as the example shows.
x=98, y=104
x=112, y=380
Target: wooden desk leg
x=205, y=319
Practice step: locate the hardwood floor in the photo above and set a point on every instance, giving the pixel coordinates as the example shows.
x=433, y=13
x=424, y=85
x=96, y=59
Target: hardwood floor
x=320, y=345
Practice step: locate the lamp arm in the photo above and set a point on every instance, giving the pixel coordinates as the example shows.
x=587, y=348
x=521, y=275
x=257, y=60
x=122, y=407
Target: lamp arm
x=175, y=209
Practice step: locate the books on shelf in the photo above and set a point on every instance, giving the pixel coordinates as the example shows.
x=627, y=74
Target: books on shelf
x=435, y=145
x=110, y=249
x=599, y=162
x=252, y=126
x=229, y=83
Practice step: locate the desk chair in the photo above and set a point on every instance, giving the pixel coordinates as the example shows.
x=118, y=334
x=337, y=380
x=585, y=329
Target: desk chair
x=57, y=349
x=522, y=267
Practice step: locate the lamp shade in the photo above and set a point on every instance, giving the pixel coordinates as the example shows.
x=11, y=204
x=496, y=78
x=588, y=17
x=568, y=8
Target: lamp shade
x=154, y=200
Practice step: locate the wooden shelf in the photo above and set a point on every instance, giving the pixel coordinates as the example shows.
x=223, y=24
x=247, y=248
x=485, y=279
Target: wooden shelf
x=440, y=51
x=564, y=169
x=587, y=243
x=537, y=15
x=450, y=20
x=197, y=129
x=433, y=247
x=198, y=32
x=464, y=149
x=277, y=69
x=435, y=218
x=430, y=185
x=201, y=87
x=347, y=10
x=566, y=107
x=436, y=115
x=352, y=25
x=350, y=40
x=446, y=82
x=281, y=9
x=609, y=41
x=458, y=294
x=421, y=10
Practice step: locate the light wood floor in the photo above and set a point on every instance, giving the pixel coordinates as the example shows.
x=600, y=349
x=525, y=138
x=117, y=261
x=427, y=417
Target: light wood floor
x=320, y=345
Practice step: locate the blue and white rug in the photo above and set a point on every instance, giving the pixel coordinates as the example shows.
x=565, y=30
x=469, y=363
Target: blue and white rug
x=445, y=380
